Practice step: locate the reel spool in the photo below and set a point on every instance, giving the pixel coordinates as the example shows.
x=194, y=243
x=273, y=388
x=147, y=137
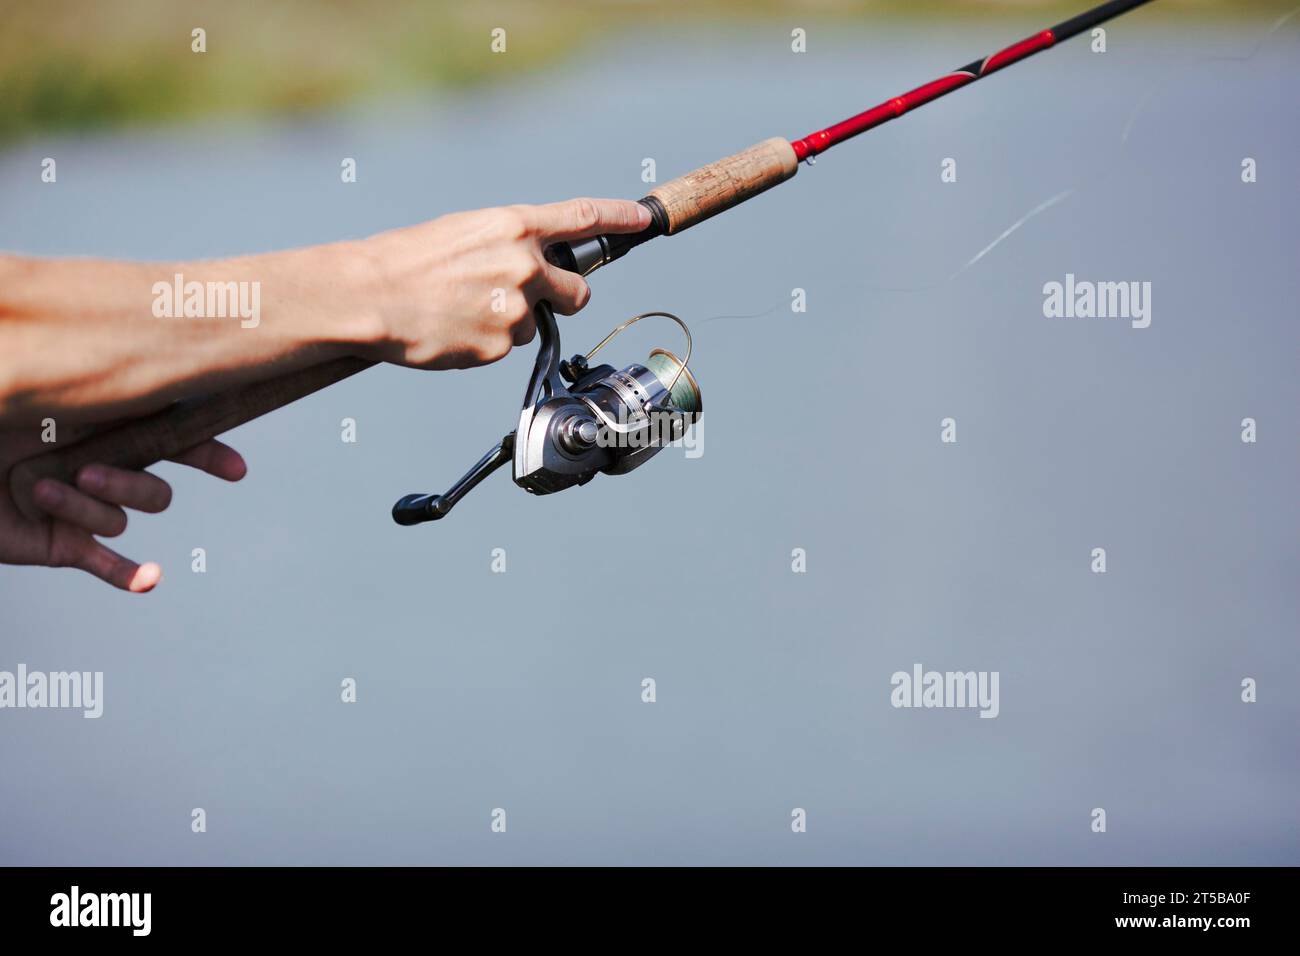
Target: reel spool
x=579, y=420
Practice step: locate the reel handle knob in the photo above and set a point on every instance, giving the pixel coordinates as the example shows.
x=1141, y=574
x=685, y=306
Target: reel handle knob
x=415, y=509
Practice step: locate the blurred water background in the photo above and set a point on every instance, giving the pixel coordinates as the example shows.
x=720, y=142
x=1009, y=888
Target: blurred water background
x=821, y=431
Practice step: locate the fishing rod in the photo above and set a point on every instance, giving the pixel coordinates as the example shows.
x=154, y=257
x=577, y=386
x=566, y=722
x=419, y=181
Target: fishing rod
x=709, y=190
x=577, y=420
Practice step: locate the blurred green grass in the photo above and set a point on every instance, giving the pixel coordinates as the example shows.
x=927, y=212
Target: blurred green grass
x=81, y=64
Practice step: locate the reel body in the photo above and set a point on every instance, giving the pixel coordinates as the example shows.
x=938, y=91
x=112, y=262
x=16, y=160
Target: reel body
x=580, y=420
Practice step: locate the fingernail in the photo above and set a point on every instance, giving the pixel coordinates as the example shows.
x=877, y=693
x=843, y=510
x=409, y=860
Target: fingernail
x=92, y=478
x=49, y=494
x=145, y=579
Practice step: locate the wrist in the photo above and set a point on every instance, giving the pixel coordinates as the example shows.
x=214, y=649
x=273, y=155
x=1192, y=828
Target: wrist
x=342, y=313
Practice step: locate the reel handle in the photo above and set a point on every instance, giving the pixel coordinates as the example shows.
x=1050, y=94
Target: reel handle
x=173, y=430
x=417, y=508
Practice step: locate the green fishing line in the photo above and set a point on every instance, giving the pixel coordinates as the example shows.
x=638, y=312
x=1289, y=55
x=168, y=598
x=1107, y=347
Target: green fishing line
x=685, y=394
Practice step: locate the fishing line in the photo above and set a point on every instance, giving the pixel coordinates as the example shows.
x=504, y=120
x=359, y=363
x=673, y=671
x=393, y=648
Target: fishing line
x=745, y=315
x=1064, y=194
x=1089, y=183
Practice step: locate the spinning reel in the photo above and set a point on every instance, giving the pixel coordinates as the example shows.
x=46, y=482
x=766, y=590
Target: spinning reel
x=604, y=420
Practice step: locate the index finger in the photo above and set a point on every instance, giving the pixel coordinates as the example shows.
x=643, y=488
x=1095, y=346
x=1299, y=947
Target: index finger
x=584, y=218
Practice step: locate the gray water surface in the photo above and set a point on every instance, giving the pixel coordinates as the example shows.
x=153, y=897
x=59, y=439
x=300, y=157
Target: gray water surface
x=522, y=690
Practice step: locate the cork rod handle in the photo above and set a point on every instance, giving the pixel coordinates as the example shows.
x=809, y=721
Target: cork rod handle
x=714, y=188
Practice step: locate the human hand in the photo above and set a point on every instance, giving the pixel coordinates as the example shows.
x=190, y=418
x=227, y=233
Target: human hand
x=459, y=291
x=94, y=507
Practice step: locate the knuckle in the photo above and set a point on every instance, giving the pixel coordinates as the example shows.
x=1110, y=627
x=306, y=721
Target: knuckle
x=509, y=221
x=520, y=311
x=527, y=268
x=585, y=214
x=572, y=298
x=495, y=348
x=522, y=323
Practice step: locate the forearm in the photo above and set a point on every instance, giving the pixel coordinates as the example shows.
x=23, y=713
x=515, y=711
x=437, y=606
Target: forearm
x=95, y=339
x=91, y=340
